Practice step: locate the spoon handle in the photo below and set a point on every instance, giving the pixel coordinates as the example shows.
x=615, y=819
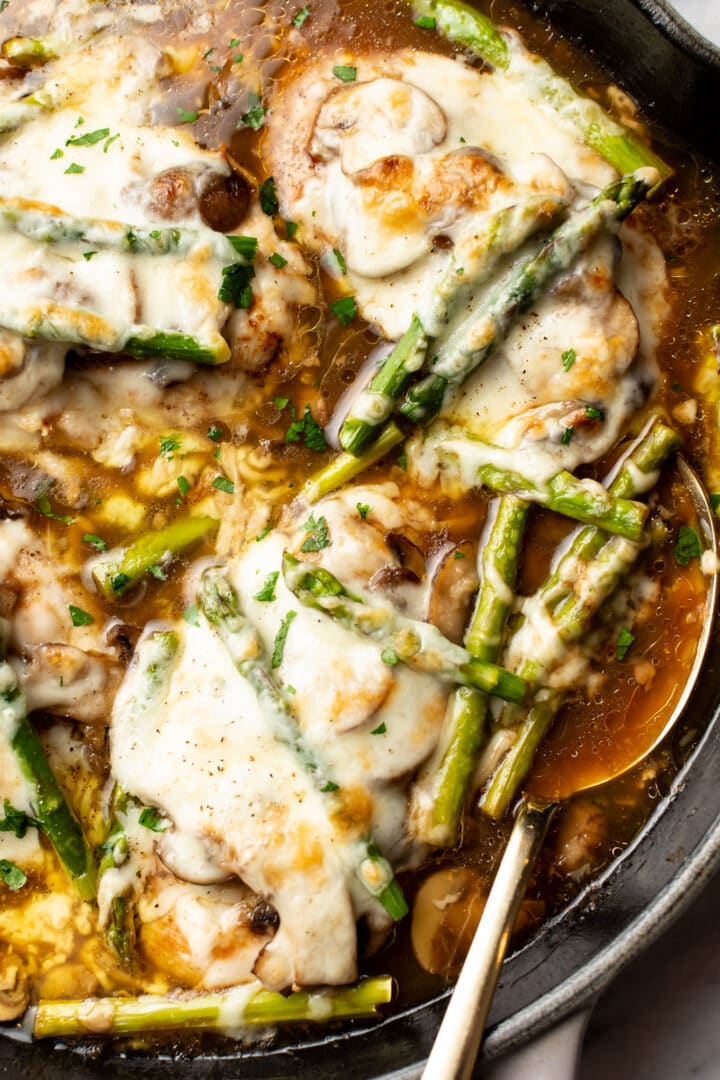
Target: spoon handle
x=458, y=1040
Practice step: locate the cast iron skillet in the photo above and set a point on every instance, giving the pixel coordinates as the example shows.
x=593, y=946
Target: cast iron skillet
x=675, y=75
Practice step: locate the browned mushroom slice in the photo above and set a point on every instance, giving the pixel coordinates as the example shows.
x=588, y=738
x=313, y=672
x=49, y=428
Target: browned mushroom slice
x=61, y=679
x=447, y=909
x=224, y=201
x=172, y=194
x=453, y=587
x=14, y=993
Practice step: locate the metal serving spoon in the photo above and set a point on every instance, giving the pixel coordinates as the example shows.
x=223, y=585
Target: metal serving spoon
x=457, y=1043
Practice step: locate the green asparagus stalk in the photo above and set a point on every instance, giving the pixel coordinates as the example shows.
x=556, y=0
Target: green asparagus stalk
x=220, y=604
x=345, y=467
x=117, y=571
x=235, y=1008
x=28, y=52
x=49, y=225
x=474, y=340
x=78, y=326
x=588, y=121
x=49, y=807
x=418, y=644
x=600, y=563
x=505, y=233
x=438, y=795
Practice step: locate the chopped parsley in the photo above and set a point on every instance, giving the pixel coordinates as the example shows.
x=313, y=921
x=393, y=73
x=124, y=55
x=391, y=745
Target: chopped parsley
x=318, y=535
x=11, y=875
x=280, y=639
x=238, y=58
x=112, y=139
x=16, y=821
x=74, y=169
x=191, y=615
x=157, y=572
x=307, y=429
x=593, y=413
x=459, y=554
x=425, y=22
x=94, y=541
x=624, y=641
x=236, y=288
x=57, y=154
x=255, y=116
x=267, y=594
x=340, y=260
x=402, y=461
x=183, y=485
x=246, y=246
x=80, y=617
x=277, y=260
x=381, y=729
x=263, y=534
x=715, y=502
x=223, y=484
x=169, y=446
x=291, y=227
x=44, y=507
x=214, y=432
x=329, y=785
x=234, y=42
x=89, y=138
x=268, y=197
x=568, y=359
x=119, y=581
x=567, y=435
x=389, y=657
x=184, y=116
x=363, y=510
x=87, y=255
x=151, y=818
x=300, y=16
x=344, y=310
x=344, y=73
x=281, y=403
x=687, y=546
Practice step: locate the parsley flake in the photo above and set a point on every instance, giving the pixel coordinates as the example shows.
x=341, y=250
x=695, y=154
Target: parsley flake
x=80, y=617
x=593, y=413
x=329, y=785
x=151, y=818
x=363, y=510
x=223, y=484
x=402, y=461
x=214, y=432
x=254, y=118
x=263, y=534
x=344, y=73
x=567, y=435
x=389, y=657
x=89, y=138
x=57, y=154
x=157, y=572
x=381, y=729
x=16, y=821
x=568, y=359
x=11, y=875
x=340, y=260
x=184, y=116
x=344, y=310
x=624, y=641
x=44, y=507
x=246, y=246
x=425, y=22
x=307, y=429
x=234, y=42
x=112, y=139
x=87, y=255
x=687, y=546
x=281, y=638
x=277, y=260
x=268, y=197
x=191, y=615
x=318, y=535
x=715, y=502
x=236, y=288
x=74, y=169
x=169, y=446
x=94, y=541
x=300, y=16
x=459, y=555
x=183, y=485
x=291, y=227
x=267, y=594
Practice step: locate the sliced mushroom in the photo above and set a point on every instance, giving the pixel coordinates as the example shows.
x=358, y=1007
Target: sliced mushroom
x=69, y=682
x=172, y=194
x=224, y=201
x=14, y=994
x=453, y=586
x=446, y=912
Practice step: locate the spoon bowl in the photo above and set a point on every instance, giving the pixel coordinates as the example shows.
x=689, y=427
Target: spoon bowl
x=458, y=1040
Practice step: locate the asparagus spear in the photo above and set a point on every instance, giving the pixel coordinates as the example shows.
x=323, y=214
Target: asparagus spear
x=48, y=225
x=418, y=644
x=48, y=802
x=241, y=1006
x=438, y=795
x=220, y=605
x=600, y=563
x=78, y=326
x=474, y=340
x=506, y=232
x=28, y=52
x=346, y=467
x=117, y=571
x=465, y=26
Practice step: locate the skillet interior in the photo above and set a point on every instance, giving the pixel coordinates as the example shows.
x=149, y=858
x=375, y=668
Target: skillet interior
x=675, y=76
